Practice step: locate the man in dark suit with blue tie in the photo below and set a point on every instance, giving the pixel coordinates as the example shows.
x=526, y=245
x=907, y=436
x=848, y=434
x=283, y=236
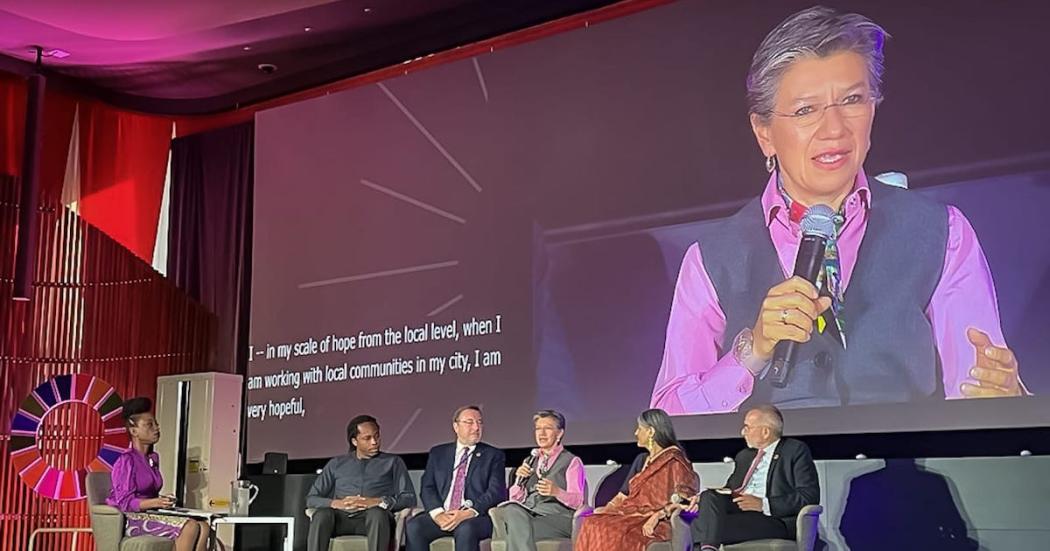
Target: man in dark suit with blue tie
x=462, y=481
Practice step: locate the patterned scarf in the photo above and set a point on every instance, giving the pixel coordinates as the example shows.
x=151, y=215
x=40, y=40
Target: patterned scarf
x=829, y=279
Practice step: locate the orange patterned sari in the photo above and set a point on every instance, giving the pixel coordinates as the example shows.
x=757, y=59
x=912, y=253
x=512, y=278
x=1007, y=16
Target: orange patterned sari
x=619, y=525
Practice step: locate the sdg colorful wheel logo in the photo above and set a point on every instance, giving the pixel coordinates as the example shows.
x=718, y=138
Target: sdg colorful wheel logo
x=38, y=442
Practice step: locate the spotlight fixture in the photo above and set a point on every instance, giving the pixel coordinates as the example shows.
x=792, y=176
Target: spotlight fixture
x=54, y=53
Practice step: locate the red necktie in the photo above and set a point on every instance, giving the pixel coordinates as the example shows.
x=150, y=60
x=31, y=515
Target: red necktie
x=751, y=471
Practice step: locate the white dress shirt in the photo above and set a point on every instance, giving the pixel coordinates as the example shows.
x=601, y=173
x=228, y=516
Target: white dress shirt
x=760, y=477
x=455, y=463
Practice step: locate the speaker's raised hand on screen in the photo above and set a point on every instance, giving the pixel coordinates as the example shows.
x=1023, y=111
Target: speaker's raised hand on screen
x=994, y=370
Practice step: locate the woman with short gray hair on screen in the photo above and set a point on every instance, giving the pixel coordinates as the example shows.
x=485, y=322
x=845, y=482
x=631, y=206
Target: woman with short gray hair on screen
x=916, y=303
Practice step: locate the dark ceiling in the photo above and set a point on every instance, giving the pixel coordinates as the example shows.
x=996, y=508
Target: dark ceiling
x=203, y=56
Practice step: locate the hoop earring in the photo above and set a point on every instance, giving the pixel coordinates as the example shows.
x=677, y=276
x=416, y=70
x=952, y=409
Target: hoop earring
x=771, y=163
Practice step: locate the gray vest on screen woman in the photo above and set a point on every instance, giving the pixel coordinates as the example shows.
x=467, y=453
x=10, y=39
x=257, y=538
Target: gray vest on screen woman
x=891, y=354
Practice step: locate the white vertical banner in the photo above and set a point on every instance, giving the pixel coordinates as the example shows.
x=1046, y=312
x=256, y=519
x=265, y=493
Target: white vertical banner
x=160, y=244
x=73, y=269
x=71, y=181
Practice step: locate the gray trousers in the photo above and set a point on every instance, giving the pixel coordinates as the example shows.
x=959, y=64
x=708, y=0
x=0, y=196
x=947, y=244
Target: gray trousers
x=374, y=523
x=525, y=527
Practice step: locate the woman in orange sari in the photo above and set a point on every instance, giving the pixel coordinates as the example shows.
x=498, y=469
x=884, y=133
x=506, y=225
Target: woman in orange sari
x=631, y=522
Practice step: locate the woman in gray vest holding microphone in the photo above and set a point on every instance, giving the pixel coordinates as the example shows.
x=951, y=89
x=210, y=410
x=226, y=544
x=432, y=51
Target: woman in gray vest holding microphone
x=898, y=276
x=550, y=486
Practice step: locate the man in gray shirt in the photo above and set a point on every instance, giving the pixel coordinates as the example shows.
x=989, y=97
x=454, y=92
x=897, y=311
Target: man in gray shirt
x=358, y=493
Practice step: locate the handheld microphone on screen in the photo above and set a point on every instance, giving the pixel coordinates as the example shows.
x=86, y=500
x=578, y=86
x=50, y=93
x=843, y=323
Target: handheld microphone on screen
x=530, y=462
x=467, y=504
x=818, y=225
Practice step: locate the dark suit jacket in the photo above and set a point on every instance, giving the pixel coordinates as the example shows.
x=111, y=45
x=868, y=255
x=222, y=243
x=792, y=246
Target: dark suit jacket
x=486, y=486
x=792, y=482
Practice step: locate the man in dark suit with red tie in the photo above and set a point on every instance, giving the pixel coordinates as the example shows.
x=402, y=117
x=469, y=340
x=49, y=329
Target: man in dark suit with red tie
x=461, y=482
x=773, y=480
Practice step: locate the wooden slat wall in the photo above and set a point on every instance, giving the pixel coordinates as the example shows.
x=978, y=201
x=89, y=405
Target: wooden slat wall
x=98, y=310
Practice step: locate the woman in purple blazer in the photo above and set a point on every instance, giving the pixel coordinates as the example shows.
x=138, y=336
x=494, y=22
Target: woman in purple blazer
x=137, y=483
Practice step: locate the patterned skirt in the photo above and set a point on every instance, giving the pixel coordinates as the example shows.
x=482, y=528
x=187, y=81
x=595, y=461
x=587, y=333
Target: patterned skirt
x=608, y=531
x=152, y=524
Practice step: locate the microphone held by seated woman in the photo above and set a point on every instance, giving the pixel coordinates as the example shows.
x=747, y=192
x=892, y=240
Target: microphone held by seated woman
x=551, y=486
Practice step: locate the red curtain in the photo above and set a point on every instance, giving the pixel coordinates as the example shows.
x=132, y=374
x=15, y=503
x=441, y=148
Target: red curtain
x=12, y=123
x=59, y=112
x=123, y=161
x=96, y=308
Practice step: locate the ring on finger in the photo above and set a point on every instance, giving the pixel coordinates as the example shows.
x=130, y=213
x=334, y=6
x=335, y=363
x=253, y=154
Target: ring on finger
x=783, y=316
